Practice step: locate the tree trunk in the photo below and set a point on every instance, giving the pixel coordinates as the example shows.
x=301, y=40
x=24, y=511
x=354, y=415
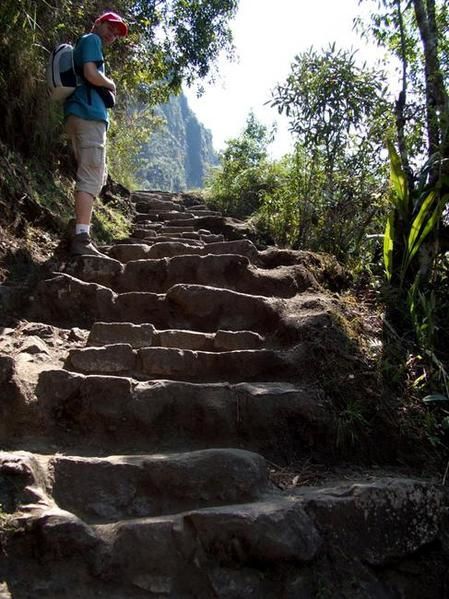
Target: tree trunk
x=401, y=103
x=436, y=97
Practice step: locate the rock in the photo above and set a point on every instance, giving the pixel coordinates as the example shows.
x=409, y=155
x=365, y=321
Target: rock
x=168, y=249
x=109, y=359
x=183, y=364
x=38, y=329
x=76, y=334
x=185, y=340
x=185, y=227
x=22, y=481
x=109, y=333
x=13, y=399
x=34, y=345
x=232, y=340
x=152, y=203
x=142, y=307
x=211, y=238
x=132, y=251
x=208, y=309
x=266, y=532
x=162, y=585
x=63, y=535
x=150, y=485
x=299, y=587
x=4, y=591
x=65, y=300
x=9, y=297
x=237, y=583
x=95, y=269
x=276, y=419
x=379, y=521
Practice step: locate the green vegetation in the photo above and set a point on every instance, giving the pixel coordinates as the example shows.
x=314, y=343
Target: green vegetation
x=245, y=175
x=331, y=192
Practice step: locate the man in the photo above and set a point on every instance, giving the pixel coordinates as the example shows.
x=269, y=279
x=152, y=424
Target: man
x=86, y=122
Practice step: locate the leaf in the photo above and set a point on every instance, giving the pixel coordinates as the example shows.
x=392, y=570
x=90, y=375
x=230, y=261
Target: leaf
x=431, y=223
x=445, y=423
x=434, y=398
x=419, y=220
x=388, y=245
x=398, y=180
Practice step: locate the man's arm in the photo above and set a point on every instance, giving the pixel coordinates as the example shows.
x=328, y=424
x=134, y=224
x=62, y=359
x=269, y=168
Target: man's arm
x=94, y=76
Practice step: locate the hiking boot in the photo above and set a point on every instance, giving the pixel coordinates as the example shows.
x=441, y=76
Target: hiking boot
x=82, y=246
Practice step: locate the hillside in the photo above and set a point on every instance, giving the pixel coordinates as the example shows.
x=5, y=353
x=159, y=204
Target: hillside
x=179, y=153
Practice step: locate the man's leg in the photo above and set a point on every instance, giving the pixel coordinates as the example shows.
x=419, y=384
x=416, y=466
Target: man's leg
x=88, y=139
x=83, y=207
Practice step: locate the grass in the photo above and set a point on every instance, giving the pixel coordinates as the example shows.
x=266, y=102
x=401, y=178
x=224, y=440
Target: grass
x=29, y=183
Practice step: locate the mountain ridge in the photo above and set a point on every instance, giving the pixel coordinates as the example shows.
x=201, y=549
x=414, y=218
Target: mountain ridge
x=179, y=154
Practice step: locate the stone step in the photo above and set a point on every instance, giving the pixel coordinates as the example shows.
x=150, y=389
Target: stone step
x=242, y=550
x=146, y=335
x=67, y=301
x=287, y=545
x=141, y=219
x=201, y=550
x=169, y=229
x=154, y=203
x=102, y=270
x=142, y=232
x=202, y=208
x=278, y=420
x=204, y=237
x=204, y=212
x=163, y=239
x=158, y=232
x=131, y=486
x=161, y=208
x=128, y=252
x=189, y=365
x=226, y=271
x=166, y=216
x=186, y=227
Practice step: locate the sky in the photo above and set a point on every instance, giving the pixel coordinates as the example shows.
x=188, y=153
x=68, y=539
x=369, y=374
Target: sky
x=268, y=34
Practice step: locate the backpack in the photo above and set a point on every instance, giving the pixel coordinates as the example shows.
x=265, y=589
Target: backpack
x=62, y=79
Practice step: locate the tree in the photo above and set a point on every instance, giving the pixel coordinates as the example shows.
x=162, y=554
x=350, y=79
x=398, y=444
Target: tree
x=244, y=174
x=338, y=113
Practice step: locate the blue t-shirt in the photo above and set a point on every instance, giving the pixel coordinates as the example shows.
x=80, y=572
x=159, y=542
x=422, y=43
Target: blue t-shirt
x=88, y=49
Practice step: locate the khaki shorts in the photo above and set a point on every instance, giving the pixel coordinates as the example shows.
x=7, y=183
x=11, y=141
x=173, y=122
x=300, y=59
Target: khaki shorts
x=89, y=145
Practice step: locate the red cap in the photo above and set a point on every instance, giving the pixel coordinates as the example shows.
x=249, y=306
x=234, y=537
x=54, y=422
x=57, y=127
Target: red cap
x=113, y=17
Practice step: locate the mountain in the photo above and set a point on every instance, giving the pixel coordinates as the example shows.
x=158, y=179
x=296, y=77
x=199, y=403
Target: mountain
x=179, y=153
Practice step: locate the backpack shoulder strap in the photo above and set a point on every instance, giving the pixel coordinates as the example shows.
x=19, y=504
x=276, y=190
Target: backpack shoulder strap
x=80, y=73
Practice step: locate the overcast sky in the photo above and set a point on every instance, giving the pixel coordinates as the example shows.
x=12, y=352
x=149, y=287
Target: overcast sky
x=267, y=35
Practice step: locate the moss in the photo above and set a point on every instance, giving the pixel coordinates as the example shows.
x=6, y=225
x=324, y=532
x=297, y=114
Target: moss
x=109, y=223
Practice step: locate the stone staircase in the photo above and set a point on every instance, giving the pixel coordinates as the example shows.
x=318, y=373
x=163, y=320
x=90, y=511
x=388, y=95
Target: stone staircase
x=154, y=443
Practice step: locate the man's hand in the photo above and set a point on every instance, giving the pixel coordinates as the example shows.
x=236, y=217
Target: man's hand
x=93, y=76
